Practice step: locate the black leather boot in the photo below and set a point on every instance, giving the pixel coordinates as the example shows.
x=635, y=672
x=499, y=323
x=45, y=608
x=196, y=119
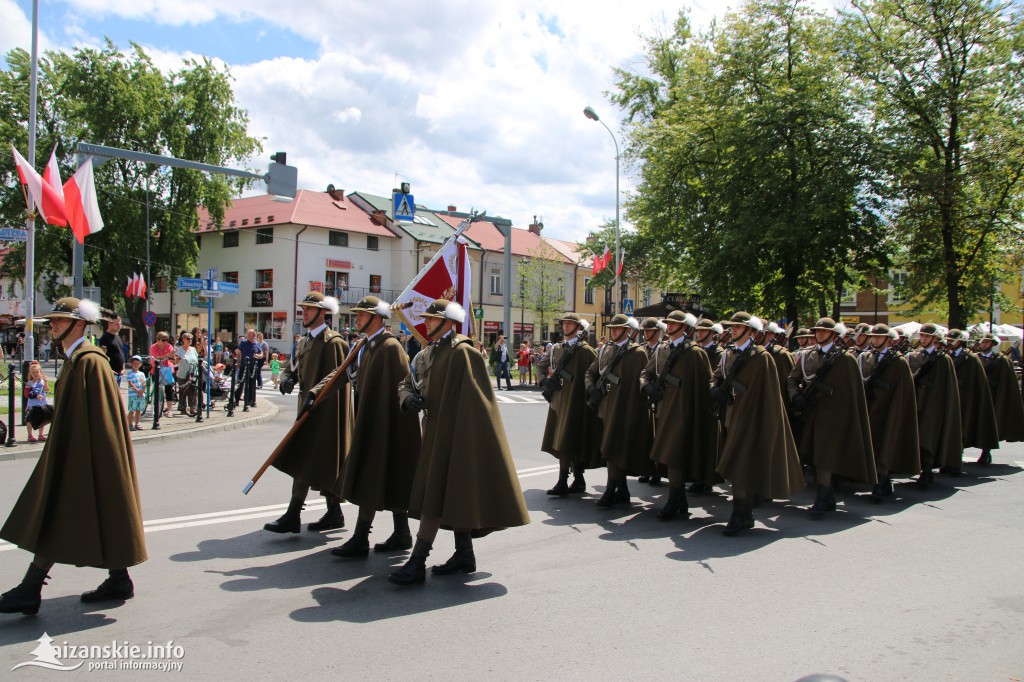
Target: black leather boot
x=401, y=539
x=608, y=498
x=824, y=501
x=699, y=489
x=358, y=545
x=742, y=517
x=926, y=478
x=117, y=587
x=331, y=520
x=561, y=488
x=881, y=490
x=656, y=479
x=986, y=457
x=578, y=484
x=289, y=522
x=675, y=506
x=27, y=596
x=463, y=560
x=414, y=572
x=622, y=492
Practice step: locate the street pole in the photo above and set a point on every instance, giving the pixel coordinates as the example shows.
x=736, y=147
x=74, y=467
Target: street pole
x=149, y=273
x=616, y=293
x=29, y=351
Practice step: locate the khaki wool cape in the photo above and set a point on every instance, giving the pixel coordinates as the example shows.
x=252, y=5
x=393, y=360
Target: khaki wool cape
x=1002, y=381
x=686, y=432
x=627, y=428
x=759, y=454
x=572, y=430
x=385, y=446
x=977, y=412
x=892, y=413
x=465, y=475
x=81, y=503
x=938, y=410
x=836, y=429
x=315, y=454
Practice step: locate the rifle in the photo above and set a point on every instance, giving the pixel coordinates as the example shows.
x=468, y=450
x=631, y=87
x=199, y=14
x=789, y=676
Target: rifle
x=549, y=385
x=876, y=377
x=606, y=378
x=816, y=387
x=320, y=397
x=657, y=387
x=923, y=370
x=730, y=385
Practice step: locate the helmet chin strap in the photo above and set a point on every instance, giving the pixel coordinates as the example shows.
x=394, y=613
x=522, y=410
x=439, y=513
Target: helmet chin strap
x=58, y=341
x=315, y=318
x=438, y=329
x=362, y=330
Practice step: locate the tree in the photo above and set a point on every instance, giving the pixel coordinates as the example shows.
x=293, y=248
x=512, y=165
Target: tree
x=755, y=160
x=541, y=286
x=947, y=78
x=122, y=100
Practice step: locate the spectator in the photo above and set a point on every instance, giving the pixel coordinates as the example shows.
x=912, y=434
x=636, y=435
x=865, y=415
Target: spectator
x=161, y=354
x=245, y=355
x=35, y=391
x=275, y=369
x=502, y=360
x=262, y=354
x=523, y=362
x=218, y=352
x=110, y=342
x=136, y=393
x=19, y=348
x=186, y=361
x=44, y=349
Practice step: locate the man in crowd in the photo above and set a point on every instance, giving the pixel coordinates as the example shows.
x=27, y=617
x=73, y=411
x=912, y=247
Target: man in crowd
x=1006, y=398
x=247, y=357
x=977, y=411
x=938, y=405
x=502, y=360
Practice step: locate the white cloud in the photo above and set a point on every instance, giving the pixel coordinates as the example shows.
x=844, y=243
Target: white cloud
x=17, y=29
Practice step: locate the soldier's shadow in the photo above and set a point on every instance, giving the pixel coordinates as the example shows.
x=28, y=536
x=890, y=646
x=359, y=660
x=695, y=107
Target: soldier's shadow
x=303, y=571
x=376, y=599
x=64, y=615
x=258, y=543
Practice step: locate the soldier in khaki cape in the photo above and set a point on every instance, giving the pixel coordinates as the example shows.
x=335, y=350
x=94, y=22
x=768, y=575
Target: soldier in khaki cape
x=977, y=410
x=825, y=386
x=889, y=388
x=572, y=431
x=759, y=455
x=705, y=335
x=613, y=389
x=1006, y=396
x=386, y=442
x=465, y=480
x=938, y=405
x=81, y=503
x=804, y=338
x=652, y=331
x=315, y=455
x=677, y=383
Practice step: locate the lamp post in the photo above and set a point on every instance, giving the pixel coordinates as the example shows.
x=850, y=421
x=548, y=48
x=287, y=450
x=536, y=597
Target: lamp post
x=616, y=293
x=522, y=303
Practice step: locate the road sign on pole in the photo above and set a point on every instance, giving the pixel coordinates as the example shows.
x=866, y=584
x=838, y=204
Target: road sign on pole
x=191, y=284
x=149, y=318
x=405, y=207
x=13, y=234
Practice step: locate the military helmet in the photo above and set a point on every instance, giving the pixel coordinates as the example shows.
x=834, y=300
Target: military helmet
x=443, y=309
x=862, y=328
x=74, y=309
x=746, y=319
x=374, y=306
x=570, y=317
x=931, y=329
x=989, y=336
x=879, y=329
x=957, y=335
x=826, y=324
x=618, y=321
x=315, y=299
x=652, y=324
x=803, y=333
x=706, y=323
x=680, y=317
x=774, y=328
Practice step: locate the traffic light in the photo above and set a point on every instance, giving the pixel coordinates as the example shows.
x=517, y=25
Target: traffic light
x=282, y=179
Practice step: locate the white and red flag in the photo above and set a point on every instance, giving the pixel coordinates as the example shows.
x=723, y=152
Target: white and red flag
x=601, y=262
x=48, y=202
x=136, y=287
x=83, y=210
x=445, y=276
x=622, y=256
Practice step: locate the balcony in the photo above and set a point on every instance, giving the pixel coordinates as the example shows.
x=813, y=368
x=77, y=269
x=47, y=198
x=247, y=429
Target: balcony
x=351, y=295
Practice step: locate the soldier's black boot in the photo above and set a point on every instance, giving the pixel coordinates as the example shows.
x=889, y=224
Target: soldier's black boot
x=656, y=479
x=699, y=489
x=401, y=539
x=290, y=521
x=561, y=488
x=331, y=520
x=675, y=506
x=27, y=596
x=742, y=517
x=578, y=484
x=117, y=587
x=926, y=478
x=986, y=457
x=608, y=498
x=358, y=545
x=824, y=501
x=463, y=560
x=414, y=572
x=622, y=492
x=882, y=489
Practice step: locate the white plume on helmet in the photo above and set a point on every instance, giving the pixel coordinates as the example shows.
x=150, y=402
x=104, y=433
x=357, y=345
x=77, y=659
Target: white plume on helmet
x=331, y=305
x=383, y=309
x=662, y=326
x=774, y=328
x=690, y=320
x=756, y=324
x=632, y=323
x=88, y=310
x=841, y=329
x=455, y=312
x=585, y=324
x=718, y=328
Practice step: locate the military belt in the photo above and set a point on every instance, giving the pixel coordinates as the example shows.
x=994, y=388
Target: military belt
x=823, y=388
x=738, y=386
x=882, y=384
x=671, y=379
x=612, y=378
x=564, y=375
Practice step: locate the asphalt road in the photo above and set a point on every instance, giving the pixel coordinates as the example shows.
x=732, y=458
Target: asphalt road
x=926, y=587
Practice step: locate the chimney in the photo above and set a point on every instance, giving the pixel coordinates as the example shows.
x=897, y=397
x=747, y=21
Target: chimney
x=379, y=217
x=536, y=226
x=452, y=208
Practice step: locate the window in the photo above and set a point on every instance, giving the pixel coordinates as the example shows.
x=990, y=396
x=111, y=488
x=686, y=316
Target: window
x=897, y=292
x=371, y=243
x=159, y=284
x=374, y=284
x=849, y=296
x=230, y=277
x=647, y=297
x=271, y=324
x=337, y=238
x=264, y=235
x=230, y=239
x=588, y=291
x=335, y=283
x=199, y=241
x=264, y=279
x=561, y=289
x=495, y=282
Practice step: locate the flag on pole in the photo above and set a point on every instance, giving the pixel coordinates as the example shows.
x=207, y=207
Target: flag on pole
x=601, y=262
x=140, y=289
x=51, y=174
x=129, y=291
x=83, y=209
x=621, y=257
x=136, y=286
x=48, y=203
x=447, y=276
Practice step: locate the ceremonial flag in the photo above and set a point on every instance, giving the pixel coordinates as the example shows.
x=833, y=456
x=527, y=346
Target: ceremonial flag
x=51, y=175
x=83, y=210
x=140, y=289
x=621, y=257
x=601, y=262
x=48, y=203
x=445, y=276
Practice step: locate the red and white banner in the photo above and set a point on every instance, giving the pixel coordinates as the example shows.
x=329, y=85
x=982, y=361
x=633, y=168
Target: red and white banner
x=47, y=201
x=446, y=275
x=83, y=210
x=136, y=287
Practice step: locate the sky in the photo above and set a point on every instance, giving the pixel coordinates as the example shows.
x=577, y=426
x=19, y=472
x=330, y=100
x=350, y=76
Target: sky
x=475, y=104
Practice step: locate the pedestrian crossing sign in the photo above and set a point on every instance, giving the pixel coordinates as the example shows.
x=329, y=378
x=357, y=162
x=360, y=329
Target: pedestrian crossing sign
x=405, y=207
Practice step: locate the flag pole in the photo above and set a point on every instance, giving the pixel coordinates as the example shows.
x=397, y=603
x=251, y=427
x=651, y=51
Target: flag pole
x=29, y=352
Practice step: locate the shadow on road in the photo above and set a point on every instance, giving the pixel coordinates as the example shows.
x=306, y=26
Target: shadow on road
x=64, y=615
x=258, y=543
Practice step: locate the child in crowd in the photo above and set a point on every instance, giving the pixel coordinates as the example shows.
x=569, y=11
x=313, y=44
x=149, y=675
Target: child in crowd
x=35, y=391
x=275, y=368
x=136, y=393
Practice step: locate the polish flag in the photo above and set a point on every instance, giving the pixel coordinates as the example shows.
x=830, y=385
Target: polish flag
x=133, y=283
x=140, y=289
x=621, y=258
x=83, y=209
x=48, y=203
x=51, y=174
x=601, y=262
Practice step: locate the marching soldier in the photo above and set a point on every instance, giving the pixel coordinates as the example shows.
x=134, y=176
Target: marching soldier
x=1005, y=394
x=704, y=335
x=653, y=328
x=572, y=431
x=861, y=342
x=759, y=454
x=613, y=390
x=977, y=411
x=676, y=382
x=385, y=446
x=804, y=338
x=889, y=388
x=465, y=479
x=938, y=405
x=783, y=359
x=81, y=503
x=826, y=389
x=314, y=457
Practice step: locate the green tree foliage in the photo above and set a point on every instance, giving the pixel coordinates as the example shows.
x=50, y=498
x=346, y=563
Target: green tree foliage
x=947, y=78
x=755, y=161
x=120, y=99
x=543, y=280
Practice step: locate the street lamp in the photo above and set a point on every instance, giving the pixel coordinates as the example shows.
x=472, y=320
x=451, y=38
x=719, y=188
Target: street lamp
x=592, y=115
x=522, y=302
